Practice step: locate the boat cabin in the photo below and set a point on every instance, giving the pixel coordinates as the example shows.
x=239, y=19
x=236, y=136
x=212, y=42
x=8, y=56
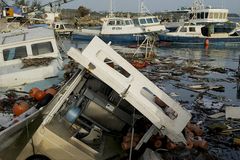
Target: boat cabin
x=119, y=25
x=209, y=16
x=150, y=23
x=202, y=14
x=63, y=28
x=188, y=30
x=28, y=44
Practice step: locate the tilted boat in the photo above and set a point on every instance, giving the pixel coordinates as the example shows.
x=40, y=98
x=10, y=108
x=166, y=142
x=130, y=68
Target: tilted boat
x=102, y=104
x=28, y=58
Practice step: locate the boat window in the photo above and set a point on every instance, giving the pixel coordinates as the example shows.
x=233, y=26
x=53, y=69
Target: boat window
x=155, y=20
x=127, y=22
x=135, y=21
x=149, y=20
x=143, y=21
x=215, y=15
x=14, y=53
x=183, y=29
x=111, y=23
x=57, y=26
x=68, y=26
x=202, y=15
x=119, y=22
x=206, y=15
x=131, y=22
x=211, y=15
x=61, y=26
x=42, y=48
x=192, y=29
x=198, y=15
x=191, y=15
x=221, y=15
x=225, y=15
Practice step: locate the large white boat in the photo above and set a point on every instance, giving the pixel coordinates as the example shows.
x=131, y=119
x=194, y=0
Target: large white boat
x=200, y=14
x=114, y=29
x=103, y=103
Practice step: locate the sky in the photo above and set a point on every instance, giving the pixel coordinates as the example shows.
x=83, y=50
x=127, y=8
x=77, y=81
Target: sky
x=152, y=5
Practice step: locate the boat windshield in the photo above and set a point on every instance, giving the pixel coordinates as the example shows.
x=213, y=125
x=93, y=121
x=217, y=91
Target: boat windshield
x=135, y=21
x=14, y=53
x=155, y=20
x=42, y=48
x=68, y=26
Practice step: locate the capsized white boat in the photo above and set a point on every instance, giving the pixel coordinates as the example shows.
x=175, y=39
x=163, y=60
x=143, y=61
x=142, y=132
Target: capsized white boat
x=103, y=103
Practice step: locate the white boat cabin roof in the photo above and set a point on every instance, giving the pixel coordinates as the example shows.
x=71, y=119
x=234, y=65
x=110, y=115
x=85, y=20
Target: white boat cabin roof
x=26, y=35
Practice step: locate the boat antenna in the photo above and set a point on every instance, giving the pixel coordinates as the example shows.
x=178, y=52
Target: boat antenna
x=143, y=9
x=111, y=9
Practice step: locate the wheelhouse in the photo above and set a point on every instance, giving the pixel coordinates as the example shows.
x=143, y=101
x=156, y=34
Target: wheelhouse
x=146, y=21
x=16, y=46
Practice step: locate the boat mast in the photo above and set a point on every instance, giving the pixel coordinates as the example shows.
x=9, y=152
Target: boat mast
x=111, y=9
x=143, y=10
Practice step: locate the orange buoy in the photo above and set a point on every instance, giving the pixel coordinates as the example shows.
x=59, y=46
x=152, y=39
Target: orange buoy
x=33, y=91
x=206, y=43
x=51, y=91
x=139, y=64
x=20, y=107
x=39, y=95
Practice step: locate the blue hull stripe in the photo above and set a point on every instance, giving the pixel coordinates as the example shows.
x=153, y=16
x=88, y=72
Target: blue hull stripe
x=126, y=38
x=199, y=40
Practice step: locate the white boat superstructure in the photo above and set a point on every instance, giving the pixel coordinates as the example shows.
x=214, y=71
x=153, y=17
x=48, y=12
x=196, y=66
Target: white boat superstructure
x=201, y=14
x=63, y=28
x=116, y=26
x=149, y=23
x=27, y=56
x=188, y=31
x=103, y=101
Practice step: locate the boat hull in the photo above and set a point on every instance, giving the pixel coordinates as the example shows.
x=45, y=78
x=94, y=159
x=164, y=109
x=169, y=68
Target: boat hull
x=233, y=41
x=117, y=38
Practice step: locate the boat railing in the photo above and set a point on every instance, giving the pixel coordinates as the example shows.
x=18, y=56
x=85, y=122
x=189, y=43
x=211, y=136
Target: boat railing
x=15, y=34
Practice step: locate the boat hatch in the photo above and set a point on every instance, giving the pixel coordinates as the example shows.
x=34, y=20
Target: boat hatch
x=133, y=87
